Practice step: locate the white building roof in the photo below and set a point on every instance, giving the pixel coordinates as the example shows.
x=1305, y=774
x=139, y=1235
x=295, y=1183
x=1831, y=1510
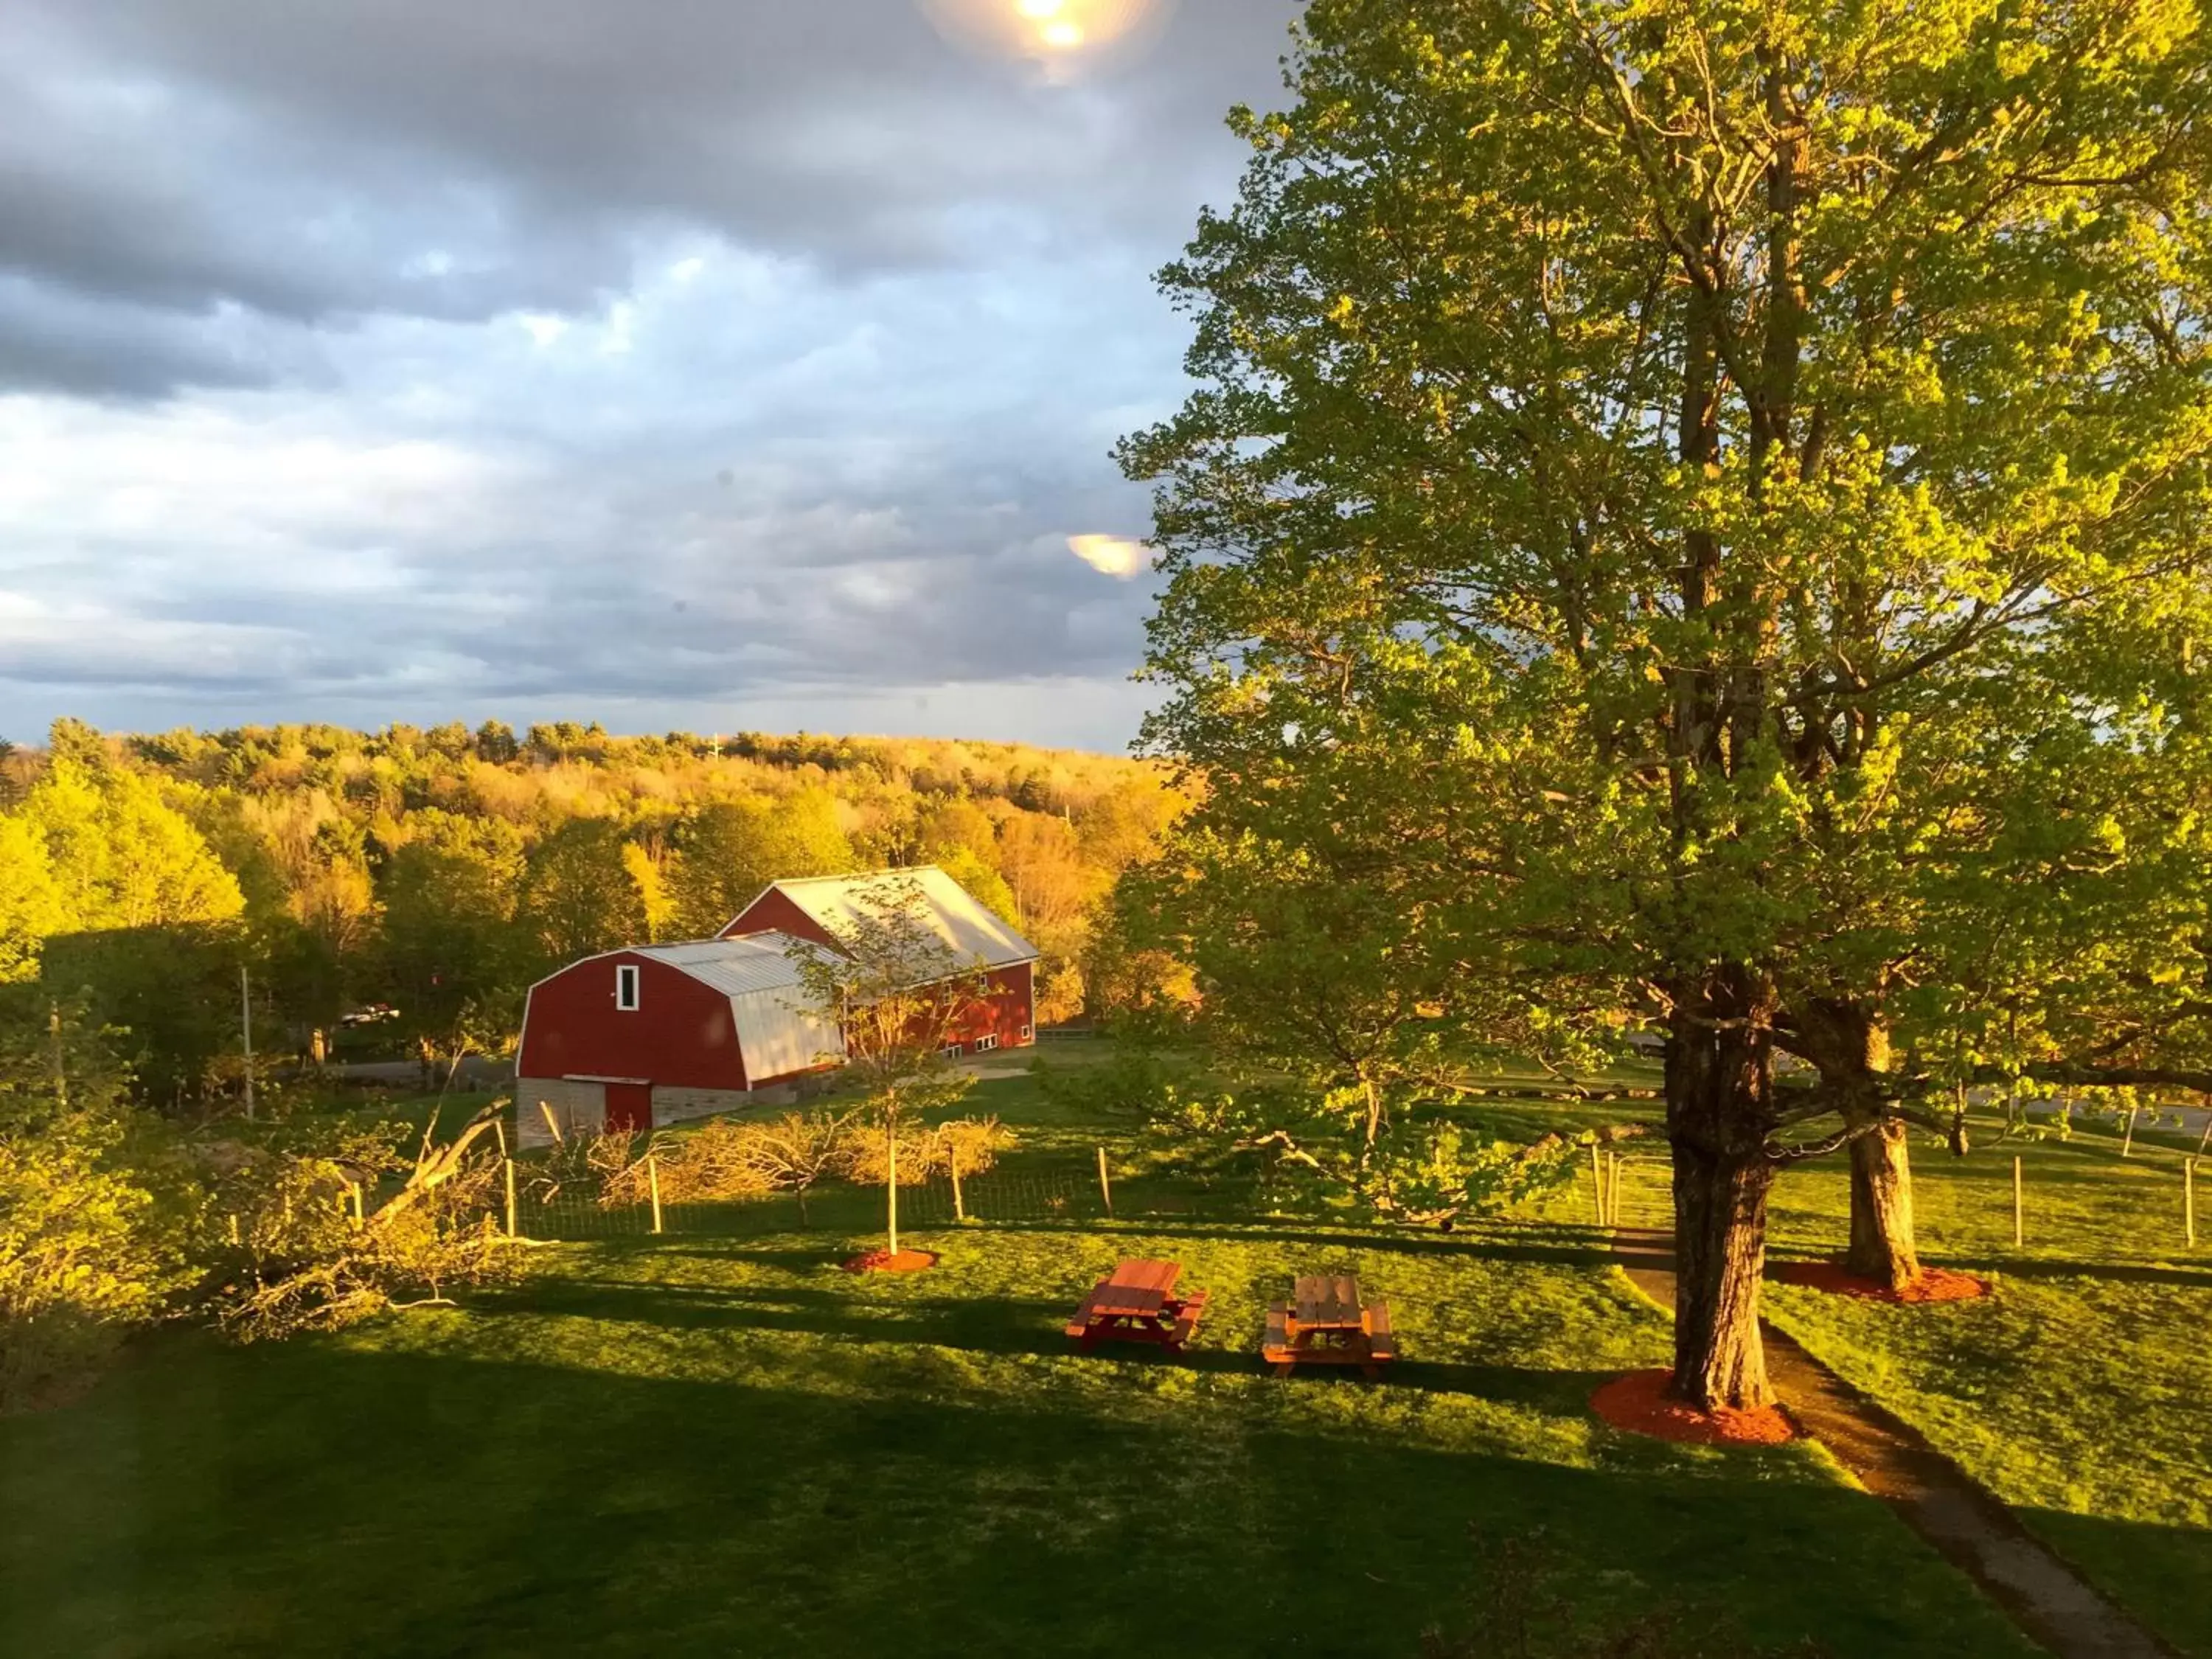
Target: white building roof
x=970, y=931
x=779, y=1030
x=753, y=961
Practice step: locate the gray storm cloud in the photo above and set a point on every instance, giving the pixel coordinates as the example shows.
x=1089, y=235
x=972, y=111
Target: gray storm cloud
x=406, y=360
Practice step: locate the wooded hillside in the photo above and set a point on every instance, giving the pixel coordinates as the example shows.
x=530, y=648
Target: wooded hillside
x=441, y=870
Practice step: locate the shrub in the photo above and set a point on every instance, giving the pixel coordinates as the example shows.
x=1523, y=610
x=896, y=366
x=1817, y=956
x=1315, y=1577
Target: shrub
x=86, y=1255
x=716, y=1162
x=97, y=1205
x=924, y=1151
x=1130, y=1084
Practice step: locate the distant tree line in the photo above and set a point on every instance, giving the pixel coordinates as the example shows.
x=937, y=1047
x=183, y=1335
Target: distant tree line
x=439, y=872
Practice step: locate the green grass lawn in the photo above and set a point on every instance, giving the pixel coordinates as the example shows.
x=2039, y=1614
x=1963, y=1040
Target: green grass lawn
x=717, y=1442
x=2081, y=1391
x=727, y=1446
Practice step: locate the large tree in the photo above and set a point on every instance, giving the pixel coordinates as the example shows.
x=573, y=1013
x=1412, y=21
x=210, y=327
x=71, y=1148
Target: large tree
x=1724, y=398
x=728, y=851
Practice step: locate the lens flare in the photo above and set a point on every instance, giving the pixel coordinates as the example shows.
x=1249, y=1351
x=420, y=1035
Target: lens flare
x=1066, y=38
x=1111, y=555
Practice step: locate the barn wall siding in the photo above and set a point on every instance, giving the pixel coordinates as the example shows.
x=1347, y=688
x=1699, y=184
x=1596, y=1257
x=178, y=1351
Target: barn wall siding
x=1007, y=1011
x=774, y=913
x=681, y=1035
x=579, y=1108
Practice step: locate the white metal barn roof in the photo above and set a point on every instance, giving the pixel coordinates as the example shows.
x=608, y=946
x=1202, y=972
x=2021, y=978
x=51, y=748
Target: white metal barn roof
x=779, y=1029
x=972, y=932
x=754, y=962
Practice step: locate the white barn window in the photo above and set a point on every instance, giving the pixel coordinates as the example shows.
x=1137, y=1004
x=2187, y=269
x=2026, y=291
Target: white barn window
x=953, y=1051
x=626, y=987
x=985, y=1044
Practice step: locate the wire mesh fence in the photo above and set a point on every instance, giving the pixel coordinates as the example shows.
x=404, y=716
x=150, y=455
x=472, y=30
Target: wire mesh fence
x=582, y=1211
x=2046, y=1200
x=2078, y=1200
x=1003, y=1195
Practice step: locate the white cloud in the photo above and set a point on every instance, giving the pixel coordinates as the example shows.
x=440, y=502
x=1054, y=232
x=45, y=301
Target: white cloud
x=620, y=333
x=1113, y=555
x=543, y=329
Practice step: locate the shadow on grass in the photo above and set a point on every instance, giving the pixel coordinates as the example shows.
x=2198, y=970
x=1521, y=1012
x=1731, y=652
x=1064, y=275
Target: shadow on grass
x=2125, y=1273
x=2158, y=1573
x=990, y=1325
x=330, y=1497
x=1486, y=1247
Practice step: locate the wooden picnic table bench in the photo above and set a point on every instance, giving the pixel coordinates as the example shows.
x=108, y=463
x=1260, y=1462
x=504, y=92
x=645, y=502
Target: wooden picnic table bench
x=1327, y=1323
x=1137, y=1302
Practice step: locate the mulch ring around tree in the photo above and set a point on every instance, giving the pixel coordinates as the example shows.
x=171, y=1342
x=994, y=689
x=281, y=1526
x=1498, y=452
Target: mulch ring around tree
x=1639, y=1403
x=890, y=1261
x=1934, y=1285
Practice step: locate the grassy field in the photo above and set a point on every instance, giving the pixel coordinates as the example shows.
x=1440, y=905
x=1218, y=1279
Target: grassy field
x=2081, y=1391
x=722, y=1445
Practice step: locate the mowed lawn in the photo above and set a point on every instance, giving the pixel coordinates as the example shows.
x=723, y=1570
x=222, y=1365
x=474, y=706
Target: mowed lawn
x=724, y=1445
x=2081, y=1392
x=727, y=1446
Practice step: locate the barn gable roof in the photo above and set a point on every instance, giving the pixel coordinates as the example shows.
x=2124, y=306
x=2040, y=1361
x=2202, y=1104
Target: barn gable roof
x=973, y=934
x=735, y=967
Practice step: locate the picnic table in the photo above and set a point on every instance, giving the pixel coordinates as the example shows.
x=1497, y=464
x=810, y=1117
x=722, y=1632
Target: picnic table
x=1327, y=1323
x=1137, y=1302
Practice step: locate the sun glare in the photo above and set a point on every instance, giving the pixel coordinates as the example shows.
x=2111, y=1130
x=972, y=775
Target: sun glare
x=1117, y=556
x=1066, y=37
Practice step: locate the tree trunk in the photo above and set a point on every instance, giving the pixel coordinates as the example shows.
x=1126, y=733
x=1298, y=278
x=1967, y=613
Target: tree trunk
x=1719, y=1072
x=1720, y=1255
x=1850, y=1045
x=1881, y=1247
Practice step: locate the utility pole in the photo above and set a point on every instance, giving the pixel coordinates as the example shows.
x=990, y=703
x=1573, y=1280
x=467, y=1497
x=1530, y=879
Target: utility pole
x=245, y=1025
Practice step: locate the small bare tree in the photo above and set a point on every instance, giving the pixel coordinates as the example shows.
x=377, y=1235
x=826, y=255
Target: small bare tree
x=901, y=993
x=791, y=1153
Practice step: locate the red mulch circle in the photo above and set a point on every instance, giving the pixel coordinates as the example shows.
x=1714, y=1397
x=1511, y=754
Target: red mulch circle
x=1639, y=1403
x=890, y=1261
x=1934, y=1285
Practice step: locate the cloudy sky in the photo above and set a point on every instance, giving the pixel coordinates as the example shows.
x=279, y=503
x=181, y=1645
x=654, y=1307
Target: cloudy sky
x=711, y=364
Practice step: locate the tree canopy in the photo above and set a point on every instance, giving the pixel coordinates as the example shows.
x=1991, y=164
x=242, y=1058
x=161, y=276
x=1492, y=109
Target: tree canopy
x=1751, y=459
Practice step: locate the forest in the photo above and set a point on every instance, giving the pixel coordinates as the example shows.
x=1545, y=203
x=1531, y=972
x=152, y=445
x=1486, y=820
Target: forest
x=420, y=880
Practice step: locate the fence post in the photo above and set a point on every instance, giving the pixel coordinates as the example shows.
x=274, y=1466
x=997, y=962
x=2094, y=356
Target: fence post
x=952, y=1162
x=1612, y=1188
x=2019, y=1218
x=511, y=1231
x=1597, y=1182
x=2128, y=1141
x=891, y=1184
x=2189, y=1200
x=353, y=1187
x=1105, y=1188
x=652, y=1185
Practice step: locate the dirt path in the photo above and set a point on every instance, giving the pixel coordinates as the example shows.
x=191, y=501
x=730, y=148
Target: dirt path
x=1965, y=1523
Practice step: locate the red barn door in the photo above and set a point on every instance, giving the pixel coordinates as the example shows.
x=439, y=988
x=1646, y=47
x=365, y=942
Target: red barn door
x=629, y=1106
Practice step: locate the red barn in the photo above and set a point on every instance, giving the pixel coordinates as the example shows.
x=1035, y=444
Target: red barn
x=635, y=1038
x=821, y=907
